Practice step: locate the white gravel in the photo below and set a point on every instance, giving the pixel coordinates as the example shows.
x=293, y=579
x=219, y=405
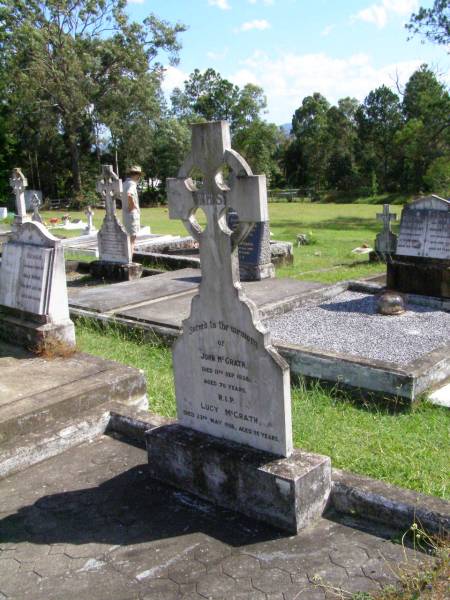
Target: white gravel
x=349, y=324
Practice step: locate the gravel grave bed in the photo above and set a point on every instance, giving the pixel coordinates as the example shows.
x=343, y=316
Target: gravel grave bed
x=349, y=324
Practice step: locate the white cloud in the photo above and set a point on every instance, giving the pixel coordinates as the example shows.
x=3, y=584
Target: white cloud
x=173, y=77
x=218, y=55
x=287, y=79
x=136, y=1
x=327, y=30
x=259, y=24
x=222, y=4
x=379, y=14
x=265, y=2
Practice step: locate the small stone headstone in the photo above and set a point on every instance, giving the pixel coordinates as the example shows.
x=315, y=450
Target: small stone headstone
x=425, y=229
x=230, y=382
x=35, y=203
x=386, y=241
x=113, y=241
x=33, y=283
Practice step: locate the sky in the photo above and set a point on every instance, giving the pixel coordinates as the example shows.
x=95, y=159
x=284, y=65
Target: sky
x=293, y=48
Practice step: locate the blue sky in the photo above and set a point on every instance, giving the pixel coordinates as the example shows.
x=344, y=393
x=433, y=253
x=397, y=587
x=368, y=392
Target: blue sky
x=292, y=48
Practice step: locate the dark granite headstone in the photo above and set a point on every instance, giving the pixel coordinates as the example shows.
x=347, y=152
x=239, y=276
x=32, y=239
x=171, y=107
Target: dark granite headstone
x=421, y=264
x=254, y=252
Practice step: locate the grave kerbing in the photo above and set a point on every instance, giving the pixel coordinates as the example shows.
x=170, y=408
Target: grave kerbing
x=115, y=255
x=232, y=387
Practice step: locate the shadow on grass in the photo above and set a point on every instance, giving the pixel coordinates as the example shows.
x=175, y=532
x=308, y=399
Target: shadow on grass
x=337, y=224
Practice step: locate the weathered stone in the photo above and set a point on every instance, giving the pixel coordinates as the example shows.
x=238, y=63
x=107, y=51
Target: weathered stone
x=112, y=271
x=287, y=493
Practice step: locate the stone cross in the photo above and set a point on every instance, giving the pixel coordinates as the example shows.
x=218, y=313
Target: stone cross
x=109, y=186
x=89, y=215
x=244, y=192
x=35, y=204
x=386, y=217
x=18, y=183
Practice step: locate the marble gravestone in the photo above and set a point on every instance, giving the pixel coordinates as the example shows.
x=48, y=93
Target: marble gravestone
x=19, y=183
x=232, y=387
x=421, y=264
x=33, y=291
x=116, y=258
x=386, y=241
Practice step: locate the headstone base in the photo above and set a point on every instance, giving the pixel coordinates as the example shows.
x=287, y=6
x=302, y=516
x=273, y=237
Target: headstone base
x=102, y=269
x=417, y=275
x=288, y=493
x=17, y=328
x=282, y=253
x=256, y=272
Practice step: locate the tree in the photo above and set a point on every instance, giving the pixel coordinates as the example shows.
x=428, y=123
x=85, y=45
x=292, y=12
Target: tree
x=258, y=142
x=79, y=64
x=426, y=133
x=341, y=170
x=310, y=147
x=208, y=96
x=379, y=118
x=433, y=23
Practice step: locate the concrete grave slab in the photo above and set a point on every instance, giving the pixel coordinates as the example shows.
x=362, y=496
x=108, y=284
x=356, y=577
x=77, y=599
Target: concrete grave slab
x=113, y=297
x=59, y=386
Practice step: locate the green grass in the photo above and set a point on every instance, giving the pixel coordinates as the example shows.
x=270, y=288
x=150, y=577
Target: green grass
x=336, y=228
x=408, y=448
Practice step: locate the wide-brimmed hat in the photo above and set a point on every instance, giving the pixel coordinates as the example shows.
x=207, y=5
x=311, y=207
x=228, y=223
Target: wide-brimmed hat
x=135, y=169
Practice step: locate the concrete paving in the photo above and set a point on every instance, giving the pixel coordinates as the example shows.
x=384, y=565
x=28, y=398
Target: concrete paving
x=90, y=524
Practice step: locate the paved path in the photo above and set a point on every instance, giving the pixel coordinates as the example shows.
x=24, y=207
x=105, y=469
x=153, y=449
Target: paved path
x=89, y=524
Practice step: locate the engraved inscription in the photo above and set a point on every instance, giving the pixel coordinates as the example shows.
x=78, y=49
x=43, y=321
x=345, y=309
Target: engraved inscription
x=424, y=233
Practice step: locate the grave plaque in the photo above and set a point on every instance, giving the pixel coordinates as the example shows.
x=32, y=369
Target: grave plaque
x=33, y=282
x=230, y=382
x=425, y=229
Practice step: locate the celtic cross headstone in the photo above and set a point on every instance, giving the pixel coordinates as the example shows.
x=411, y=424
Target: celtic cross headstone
x=19, y=183
x=230, y=381
x=113, y=241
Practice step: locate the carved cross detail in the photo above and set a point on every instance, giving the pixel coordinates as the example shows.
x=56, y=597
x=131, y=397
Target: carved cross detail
x=18, y=183
x=244, y=192
x=109, y=186
x=386, y=217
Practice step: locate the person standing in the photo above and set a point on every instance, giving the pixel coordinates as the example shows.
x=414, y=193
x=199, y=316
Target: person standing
x=130, y=204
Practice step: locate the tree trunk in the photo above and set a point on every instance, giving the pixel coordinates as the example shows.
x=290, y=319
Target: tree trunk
x=75, y=160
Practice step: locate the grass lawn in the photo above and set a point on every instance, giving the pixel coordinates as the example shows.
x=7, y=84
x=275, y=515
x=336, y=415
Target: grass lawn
x=336, y=229
x=408, y=448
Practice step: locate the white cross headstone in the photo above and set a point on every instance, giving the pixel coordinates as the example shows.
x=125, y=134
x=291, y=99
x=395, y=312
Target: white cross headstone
x=113, y=241
x=386, y=241
x=18, y=183
x=230, y=382
x=90, y=228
